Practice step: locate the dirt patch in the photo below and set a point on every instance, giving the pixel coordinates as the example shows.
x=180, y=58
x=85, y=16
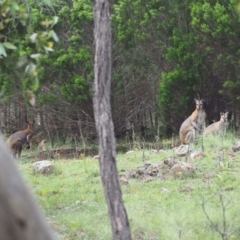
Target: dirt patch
x=167, y=169
x=68, y=153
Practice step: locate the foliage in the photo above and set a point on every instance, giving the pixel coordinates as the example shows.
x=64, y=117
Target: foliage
x=71, y=65
x=165, y=53
x=217, y=24
x=183, y=54
x=18, y=28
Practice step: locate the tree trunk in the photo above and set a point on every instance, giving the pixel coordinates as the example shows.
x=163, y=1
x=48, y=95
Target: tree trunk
x=20, y=217
x=104, y=123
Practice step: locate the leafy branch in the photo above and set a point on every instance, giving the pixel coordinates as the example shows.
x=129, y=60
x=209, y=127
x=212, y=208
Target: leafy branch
x=14, y=15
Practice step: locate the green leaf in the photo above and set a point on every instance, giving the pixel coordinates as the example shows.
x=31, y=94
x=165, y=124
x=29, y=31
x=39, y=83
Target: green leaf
x=35, y=86
x=31, y=97
x=54, y=36
x=9, y=45
x=48, y=49
x=55, y=20
x=2, y=50
x=30, y=68
x=36, y=55
x=48, y=2
x=33, y=37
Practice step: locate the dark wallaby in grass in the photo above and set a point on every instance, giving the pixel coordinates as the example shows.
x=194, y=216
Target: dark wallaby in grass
x=19, y=139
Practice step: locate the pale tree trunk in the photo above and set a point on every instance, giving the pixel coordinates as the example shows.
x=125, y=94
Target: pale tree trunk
x=104, y=123
x=20, y=217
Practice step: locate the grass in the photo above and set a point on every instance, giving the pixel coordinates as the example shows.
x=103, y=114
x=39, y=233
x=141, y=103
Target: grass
x=73, y=201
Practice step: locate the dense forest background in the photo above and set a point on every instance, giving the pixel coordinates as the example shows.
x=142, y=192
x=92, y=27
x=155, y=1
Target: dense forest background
x=165, y=54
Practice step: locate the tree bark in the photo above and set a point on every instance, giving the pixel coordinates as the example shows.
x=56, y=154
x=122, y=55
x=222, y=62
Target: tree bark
x=20, y=217
x=104, y=123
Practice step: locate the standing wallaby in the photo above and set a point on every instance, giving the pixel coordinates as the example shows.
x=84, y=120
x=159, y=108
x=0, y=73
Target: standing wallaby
x=218, y=127
x=18, y=139
x=188, y=128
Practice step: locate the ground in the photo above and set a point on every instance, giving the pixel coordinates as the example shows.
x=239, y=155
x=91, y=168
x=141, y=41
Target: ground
x=200, y=205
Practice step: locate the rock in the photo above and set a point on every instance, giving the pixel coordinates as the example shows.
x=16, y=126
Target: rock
x=148, y=169
x=182, y=150
x=182, y=168
x=236, y=146
x=96, y=157
x=137, y=173
x=160, y=165
x=44, y=167
x=129, y=152
x=152, y=171
x=147, y=179
x=169, y=162
x=140, y=171
x=196, y=155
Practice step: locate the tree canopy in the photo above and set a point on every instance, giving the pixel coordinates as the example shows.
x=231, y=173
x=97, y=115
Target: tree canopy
x=164, y=54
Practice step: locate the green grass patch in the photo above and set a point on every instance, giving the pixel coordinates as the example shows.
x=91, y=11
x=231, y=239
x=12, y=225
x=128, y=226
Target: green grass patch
x=202, y=206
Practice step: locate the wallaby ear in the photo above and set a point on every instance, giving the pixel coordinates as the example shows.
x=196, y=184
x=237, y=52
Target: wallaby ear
x=221, y=113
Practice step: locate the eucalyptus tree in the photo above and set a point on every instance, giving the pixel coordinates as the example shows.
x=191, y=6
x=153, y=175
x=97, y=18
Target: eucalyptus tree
x=104, y=123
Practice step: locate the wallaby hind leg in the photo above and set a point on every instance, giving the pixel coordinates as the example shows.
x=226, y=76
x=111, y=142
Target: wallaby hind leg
x=19, y=152
x=190, y=136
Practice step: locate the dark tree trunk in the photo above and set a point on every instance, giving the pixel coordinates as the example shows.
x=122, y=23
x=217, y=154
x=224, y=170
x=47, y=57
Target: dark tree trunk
x=20, y=217
x=104, y=123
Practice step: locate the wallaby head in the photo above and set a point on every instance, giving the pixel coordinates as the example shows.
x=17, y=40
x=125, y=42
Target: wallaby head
x=199, y=103
x=19, y=139
x=224, y=117
x=30, y=125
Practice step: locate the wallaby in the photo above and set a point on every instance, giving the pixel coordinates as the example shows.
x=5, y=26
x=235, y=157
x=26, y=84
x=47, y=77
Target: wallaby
x=194, y=122
x=218, y=127
x=19, y=139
